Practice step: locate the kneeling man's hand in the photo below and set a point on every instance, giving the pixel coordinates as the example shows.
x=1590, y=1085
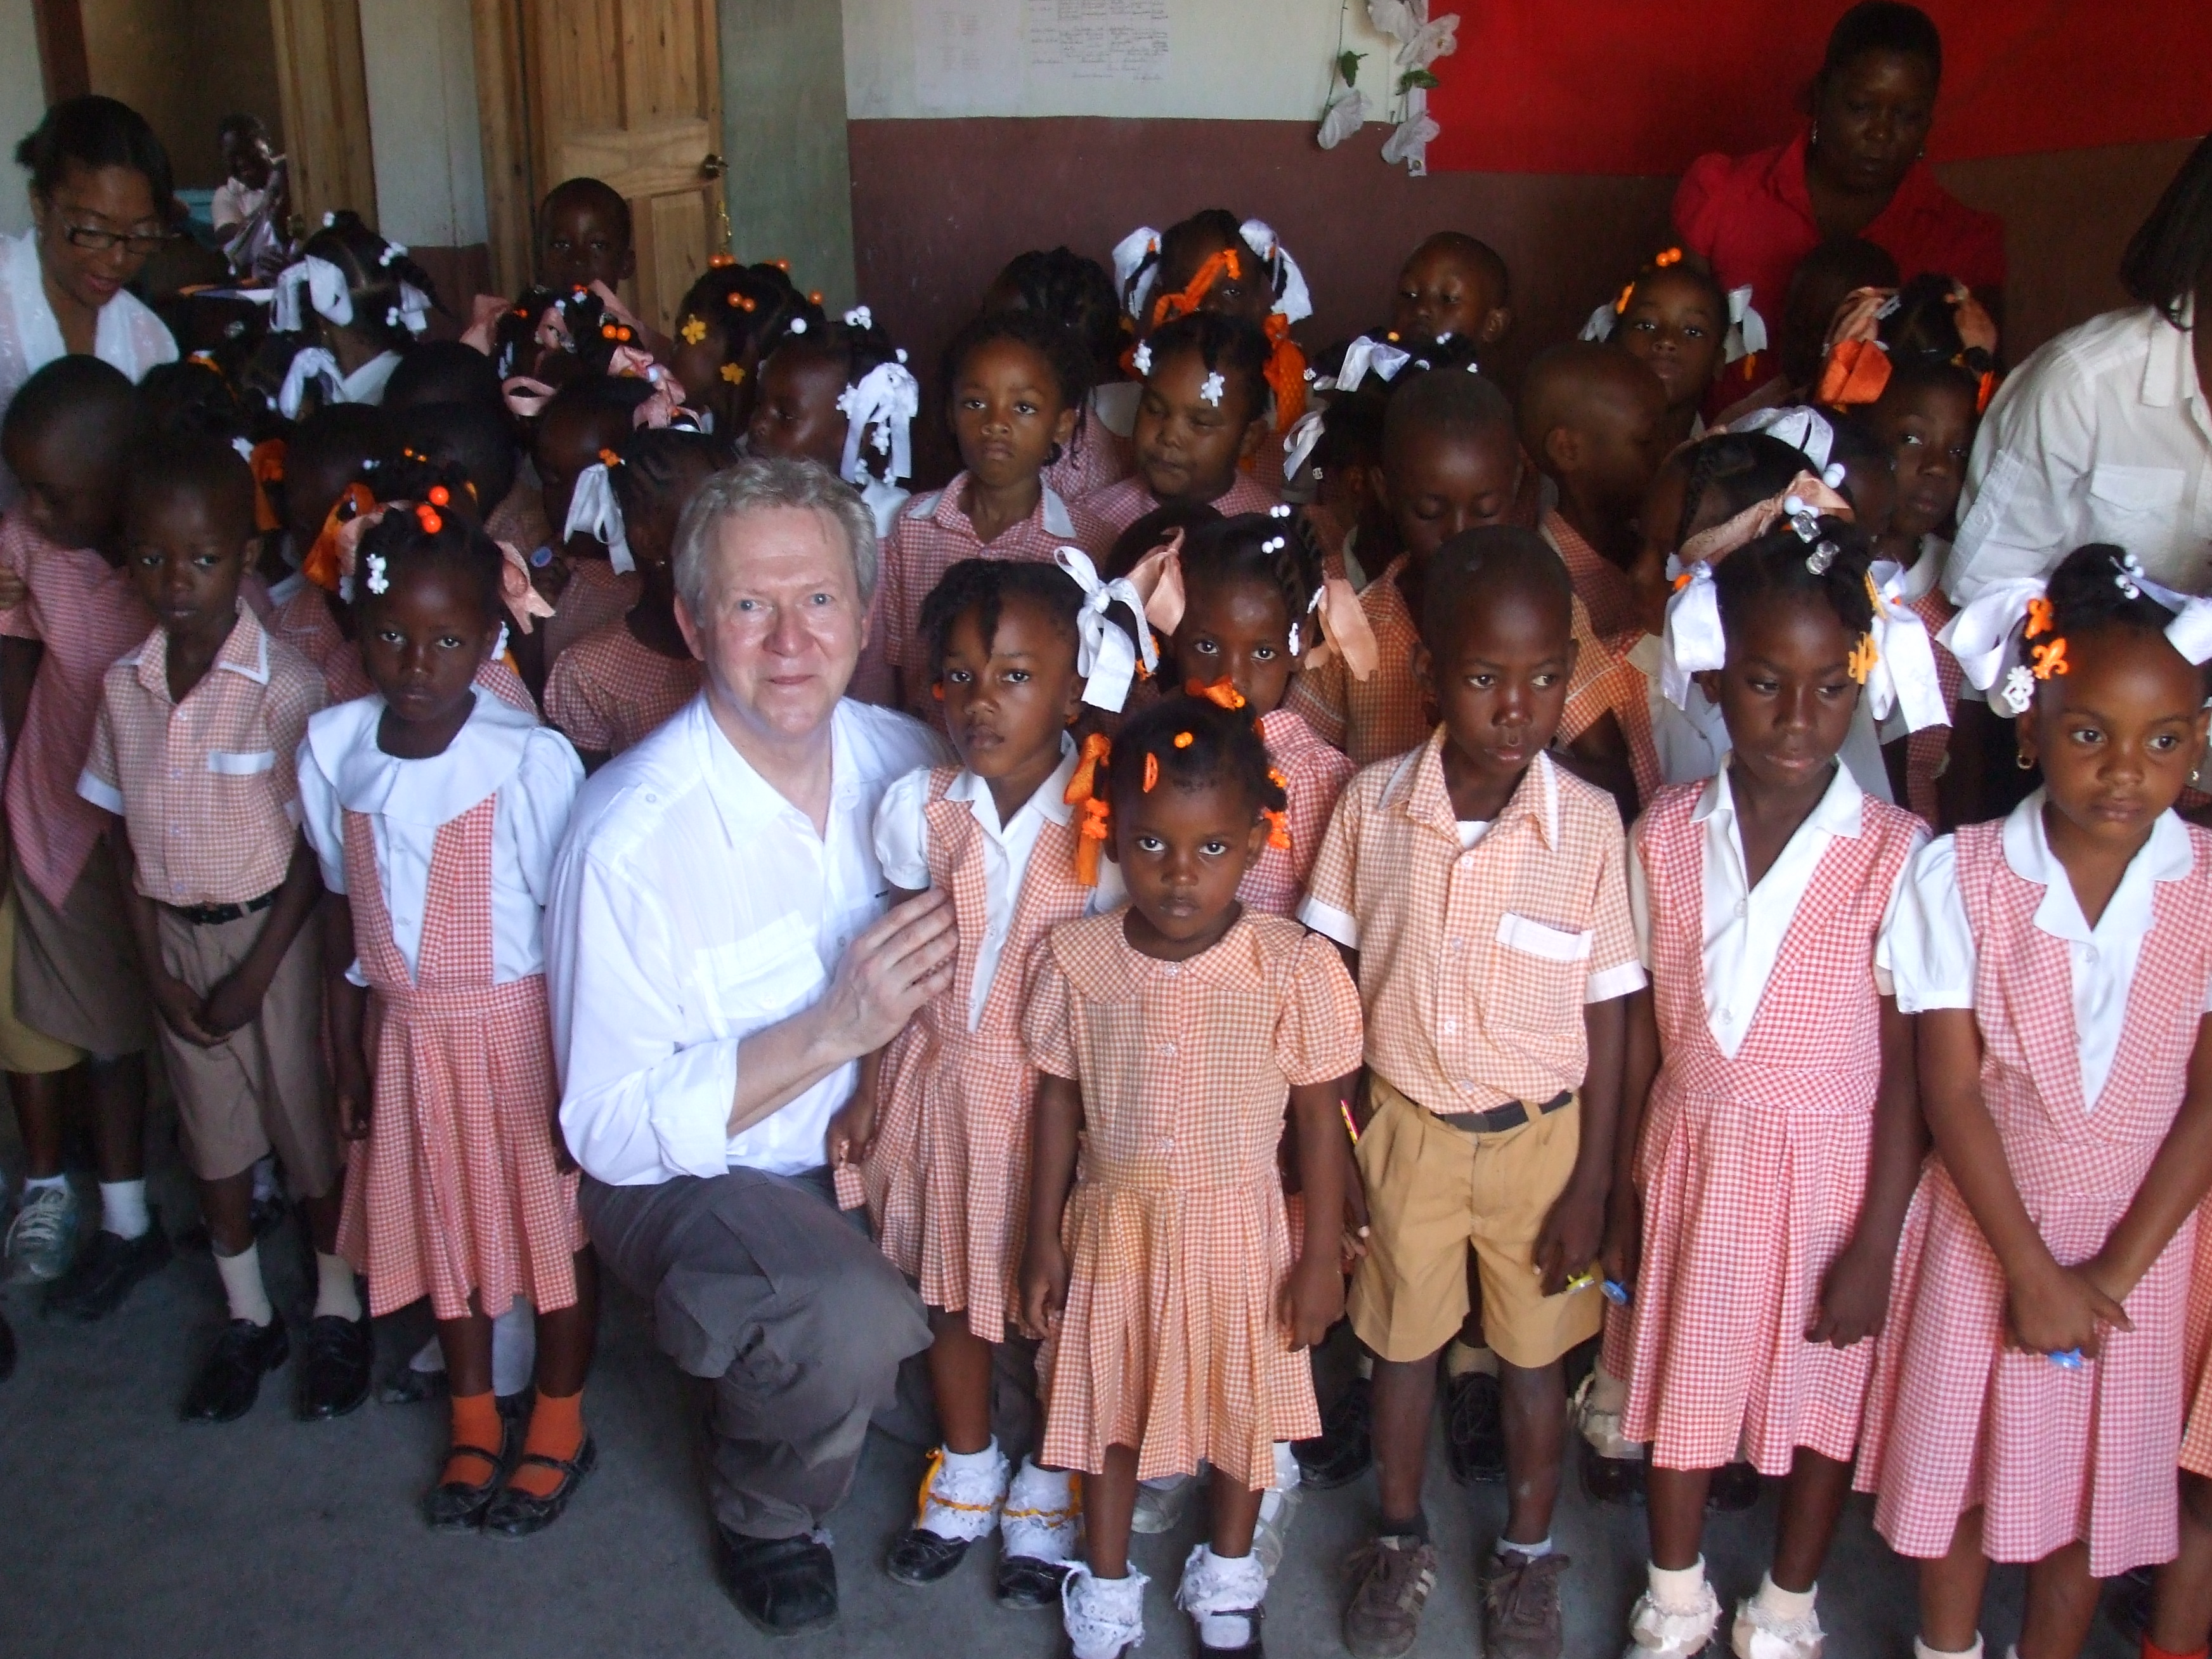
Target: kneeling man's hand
x=900, y=963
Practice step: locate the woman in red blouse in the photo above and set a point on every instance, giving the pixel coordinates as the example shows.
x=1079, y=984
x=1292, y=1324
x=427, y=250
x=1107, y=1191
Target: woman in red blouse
x=1855, y=171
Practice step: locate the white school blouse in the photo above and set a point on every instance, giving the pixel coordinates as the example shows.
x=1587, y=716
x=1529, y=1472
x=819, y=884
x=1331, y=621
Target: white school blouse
x=1744, y=924
x=902, y=849
x=1930, y=949
x=499, y=750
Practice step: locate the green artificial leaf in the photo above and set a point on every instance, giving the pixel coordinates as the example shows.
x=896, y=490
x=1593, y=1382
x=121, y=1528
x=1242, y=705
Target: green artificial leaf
x=1421, y=78
x=1347, y=66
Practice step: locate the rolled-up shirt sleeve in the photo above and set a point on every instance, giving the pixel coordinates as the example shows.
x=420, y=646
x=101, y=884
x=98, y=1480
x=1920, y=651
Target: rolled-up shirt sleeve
x=638, y=1104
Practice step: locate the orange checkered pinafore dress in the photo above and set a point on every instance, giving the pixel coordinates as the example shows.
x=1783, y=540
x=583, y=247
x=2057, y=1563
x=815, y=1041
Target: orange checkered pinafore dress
x=1753, y=1168
x=948, y=1178
x=1956, y=1418
x=455, y=1192
x=1316, y=772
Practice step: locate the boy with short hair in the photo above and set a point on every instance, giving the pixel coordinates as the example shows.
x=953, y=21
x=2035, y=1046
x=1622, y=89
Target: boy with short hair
x=1483, y=890
x=1591, y=419
x=193, y=753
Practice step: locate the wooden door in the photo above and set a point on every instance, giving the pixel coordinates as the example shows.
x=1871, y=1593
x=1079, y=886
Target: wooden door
x=630, y=91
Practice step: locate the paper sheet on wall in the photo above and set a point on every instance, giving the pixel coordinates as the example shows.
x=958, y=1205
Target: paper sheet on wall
x=1098, y=39
x=967, y=53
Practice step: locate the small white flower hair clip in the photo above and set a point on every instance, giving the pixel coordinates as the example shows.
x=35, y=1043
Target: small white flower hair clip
x=2128, y=577
x=391, y=251
x=860, y=317
x=796, y=325
x=329, y=219
x=378, y=581
x=1279, y=510
x=2018, y=689
x=1213, y=387
x=1141, y=358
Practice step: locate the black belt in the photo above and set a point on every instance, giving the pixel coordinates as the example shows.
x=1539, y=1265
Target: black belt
x=1511, y=1116
x=208, y=915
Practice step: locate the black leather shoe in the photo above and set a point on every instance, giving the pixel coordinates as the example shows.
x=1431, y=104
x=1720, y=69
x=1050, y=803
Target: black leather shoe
x=336, y=1357
x=2128, y=1608
x=229, y=1379
x=1474, y=1427
x=106, y=1271
x=1343, y=1451
x=1611, y=1479
x=923, y=1558
x=7, y=1349
x=459, y=1505
x=782, y=1585
x=1025, y=1582
x=1735, y=1486
x=517, y=1514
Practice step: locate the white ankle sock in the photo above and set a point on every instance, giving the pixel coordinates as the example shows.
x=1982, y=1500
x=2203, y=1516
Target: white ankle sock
x=336, y=1296
x=242, y=1286
x=961, y=1462
x=122, y=1208
x=1678, y=1589
x=514, y=1348
x=44, y=1183
x=1922, y=1650
x=1287, y=1475
x=1785, y=1605
x=1533, y=1552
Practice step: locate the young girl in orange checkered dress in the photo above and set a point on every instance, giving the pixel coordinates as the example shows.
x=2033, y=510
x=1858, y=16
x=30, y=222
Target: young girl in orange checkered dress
x=436, y=809
x=1171, y=1035
x=2027, y=1401
x=942, y=1115
x=1780, y=1144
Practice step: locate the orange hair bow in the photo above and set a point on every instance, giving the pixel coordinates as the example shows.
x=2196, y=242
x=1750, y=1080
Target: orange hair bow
x=1093, y=813
x=1286, y=373
x=1222, y=694
x=267, y=465
x=330, y=561
x=524, y=602
x=1857, y=368
x=1344, y=630
x=1192, y=295
x=1157, y=577
x=1278, y=817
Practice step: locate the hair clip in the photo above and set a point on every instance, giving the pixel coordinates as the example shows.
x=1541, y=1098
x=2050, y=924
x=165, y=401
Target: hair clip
x=734, y=374
x=1141, y=359
x=1222, y=694
x=392, y=316
x=858, y=317
x=721, y=261
x=1152, y=773
x=1667, y=257
x=899, y=354
x=1294, y=639
x=380, y=580
x=783, y=266
x=815, y=297
x=427, y=516
x=1887, y=308
x=2039, y=619
x=329, y=219
x=1279, y=510
x=1279, y=828
x=2124, y=577
x=1627, y=292
x=441, y=496
x=1184, y=740
x=2018, y=690
x=608, y=457
x=1274, y=544
x=1821, y=557
x=2049, y=659
x=1863, y=657
x=499, y=645
x=1214, y=386
x=693, y=330
x=797, y=325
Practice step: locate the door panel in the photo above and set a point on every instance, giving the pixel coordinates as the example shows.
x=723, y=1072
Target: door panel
x=629, y=91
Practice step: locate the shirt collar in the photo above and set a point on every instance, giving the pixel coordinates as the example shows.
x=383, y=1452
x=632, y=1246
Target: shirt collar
x=2128, y=915
x=944, y=508
x=2170, y=366
x=245, y=653
x=748, y=804
x=1840, y=811
x=366, y=384
x=1535, y=798
x=1049, y=801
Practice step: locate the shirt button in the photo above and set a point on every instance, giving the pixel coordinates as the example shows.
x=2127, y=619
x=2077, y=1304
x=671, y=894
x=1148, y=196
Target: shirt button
x=1172, y=969
x=1451, y=1028
x=1742, y=906
x=1167, y=1144
x=1169, y=1050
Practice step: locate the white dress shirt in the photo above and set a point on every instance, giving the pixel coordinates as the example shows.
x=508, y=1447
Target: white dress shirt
x=129, y=337
x=1744, y=924
x=501, y=750
x=2102, y=435
x=902, y=849
x=1930, y=950
x=693, y=906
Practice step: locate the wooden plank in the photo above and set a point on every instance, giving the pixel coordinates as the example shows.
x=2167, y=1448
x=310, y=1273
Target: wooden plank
x=510, y=193
x=323, y=90
x=64, y=66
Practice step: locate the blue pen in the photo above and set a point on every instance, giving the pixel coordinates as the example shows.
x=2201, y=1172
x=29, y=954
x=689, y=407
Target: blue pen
x=2070, y=1360
x=1617, y=1293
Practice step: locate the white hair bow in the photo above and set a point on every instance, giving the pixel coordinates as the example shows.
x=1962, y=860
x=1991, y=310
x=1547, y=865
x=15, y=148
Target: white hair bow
x=1981, y=635
x=1363, y=357
x=1601, y=323
x=592, y=509
x=310, y=364
x=1747, y=333
x=413, y=310
x=1903, y=674
x=1106, y=654
x=1806, y=430
x=1129, y=256
x=1300, y=442
x=326, y=291
x=1691, y=643
x=881, y=406
x=1294, y=302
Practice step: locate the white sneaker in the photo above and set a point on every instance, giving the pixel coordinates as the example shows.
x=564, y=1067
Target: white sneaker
x=1655, y=1634
x=1598, y=1406
x=42, y=1239
x=1758, y=1634
x=1105, y=1617
x=1223, y=1599
x=1161, y=1504
x=1270, y=1533
x=1042, y=1516
x=962, y=1501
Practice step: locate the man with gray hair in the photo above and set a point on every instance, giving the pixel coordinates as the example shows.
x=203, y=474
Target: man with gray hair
x=719, y=959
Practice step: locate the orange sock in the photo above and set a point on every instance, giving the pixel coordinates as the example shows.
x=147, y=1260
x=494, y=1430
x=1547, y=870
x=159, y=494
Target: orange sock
x=476, y=1422
x=2152, y=1651
x=556, y=1430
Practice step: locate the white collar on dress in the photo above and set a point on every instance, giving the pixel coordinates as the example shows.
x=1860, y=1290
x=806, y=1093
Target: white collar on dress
x=1056, y=521
x=366, y=384
x=1050, y=799
x=1927, y=569
x=483, y=755
x=2167, y=856
x=1840, y=811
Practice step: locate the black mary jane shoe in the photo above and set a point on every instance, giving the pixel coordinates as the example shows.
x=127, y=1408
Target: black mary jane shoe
x=781, y=1585
x=922, y=1558
x=1474, y=1428
x=1735, y=1487
x=229, y=1379
x=336, y=1357
x=459, y=1505
x=1344, y=1450
x=1611, y=1479
x=1025, y=1583
x=518, y=1514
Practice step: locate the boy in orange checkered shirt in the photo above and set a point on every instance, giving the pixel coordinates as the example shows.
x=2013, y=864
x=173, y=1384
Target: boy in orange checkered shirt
x=1483, y=890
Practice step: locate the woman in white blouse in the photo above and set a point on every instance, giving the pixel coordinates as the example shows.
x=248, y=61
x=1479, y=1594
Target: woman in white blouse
x=100, y=186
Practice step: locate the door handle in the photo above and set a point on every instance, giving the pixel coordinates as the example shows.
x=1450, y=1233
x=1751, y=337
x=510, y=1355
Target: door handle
x=711, y=166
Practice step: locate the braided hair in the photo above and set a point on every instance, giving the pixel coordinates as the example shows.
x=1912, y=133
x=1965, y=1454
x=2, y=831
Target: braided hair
x=2094, y=588
x=415, y=471
x=1782, y=565
x=1730, y=472
x=984, y=587
x=1261, y=548
x=1229, y=345
x=425, y=536
x=1190, y=743
x=514, y=339
x=1174, y=252
x=660, y=471
x=1923, y=328
x=1073, y=291
x=374, y=270
x=747, y=310
x=192, y=395
x=1054, y=344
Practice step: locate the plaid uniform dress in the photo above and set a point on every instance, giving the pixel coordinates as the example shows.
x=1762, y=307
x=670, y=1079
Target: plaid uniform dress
x=1317, y=772
x=2196, y=1435
x=1753, y=1168
x=608, y=691
x=455, y=1193
x=594, y=597
x=1176, y=1232
x=1095, y=457
x=949, y=1176
x=1955, y=1418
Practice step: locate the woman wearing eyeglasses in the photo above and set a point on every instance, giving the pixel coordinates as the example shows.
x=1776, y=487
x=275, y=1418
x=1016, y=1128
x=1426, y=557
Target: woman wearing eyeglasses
x=99, y=188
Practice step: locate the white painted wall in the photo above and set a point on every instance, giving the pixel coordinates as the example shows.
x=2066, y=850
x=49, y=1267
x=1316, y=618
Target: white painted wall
x=420, y=61
x=1262, y=60
x=22, y=104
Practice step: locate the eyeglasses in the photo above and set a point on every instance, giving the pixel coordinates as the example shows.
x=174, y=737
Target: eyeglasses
x=107, y=241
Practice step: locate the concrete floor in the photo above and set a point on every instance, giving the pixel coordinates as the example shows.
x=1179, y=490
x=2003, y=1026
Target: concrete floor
x=127, y=1533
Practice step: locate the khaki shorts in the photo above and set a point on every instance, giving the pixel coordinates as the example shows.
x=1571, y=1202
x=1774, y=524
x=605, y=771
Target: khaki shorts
x=22, y=1050
x=1432, y=1190
x=77, y=977
x=262, y=1088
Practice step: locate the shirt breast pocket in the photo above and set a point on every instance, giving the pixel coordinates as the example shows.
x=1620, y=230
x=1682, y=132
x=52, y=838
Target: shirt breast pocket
x=240, y=762
x=758, y=981
x=2134, y=505
x=1541, y=972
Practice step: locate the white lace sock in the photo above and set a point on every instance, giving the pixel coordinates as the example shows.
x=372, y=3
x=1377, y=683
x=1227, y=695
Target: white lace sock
x=1222, y=1595
x=961, y=1493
